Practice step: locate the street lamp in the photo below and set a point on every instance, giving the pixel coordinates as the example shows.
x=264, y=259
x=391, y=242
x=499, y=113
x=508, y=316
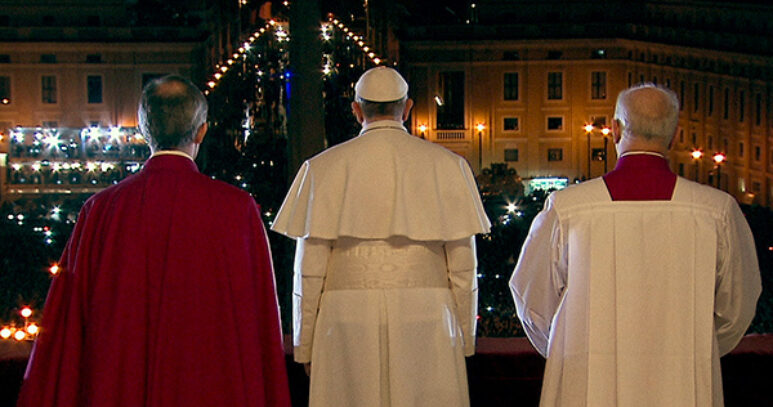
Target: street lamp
x=480, y=127
x=696, y=156
x=605, y=132
x=719, y=158
x=422, y=130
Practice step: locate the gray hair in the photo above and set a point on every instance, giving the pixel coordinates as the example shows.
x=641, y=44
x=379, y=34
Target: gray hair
x=171, y=111
x=382, y=109
x=648, y=111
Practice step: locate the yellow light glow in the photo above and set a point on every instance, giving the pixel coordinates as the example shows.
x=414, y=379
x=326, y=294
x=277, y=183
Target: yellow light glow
x=376, y=61
x=696, y=154
x=20, y=335
x=371, y=54
x=32, y=329
x=223, y=69
x=588, y=128
x=6, y=101
x=230, y=62
x=480, y=127
x=511, y=207
x=26, y=312
x=605, y=131
x=5, y=333
x=365, y=48
x=235, y=55
x=91, y=166
x=719, y=158
x=423, y=128
x=272, y=22
x=211, y=84
x=218, y=75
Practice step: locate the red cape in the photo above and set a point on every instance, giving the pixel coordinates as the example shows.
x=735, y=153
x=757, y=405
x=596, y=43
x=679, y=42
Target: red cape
x=166, y=298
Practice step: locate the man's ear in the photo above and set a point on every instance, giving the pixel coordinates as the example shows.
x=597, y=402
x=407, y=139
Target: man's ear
x=673, y=137
x=357, y=112
x=617, y=131
x=407, y=110
x=200, y=134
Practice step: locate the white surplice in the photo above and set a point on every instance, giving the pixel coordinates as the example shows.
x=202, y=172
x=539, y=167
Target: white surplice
x=633, y=302
x=385, y=289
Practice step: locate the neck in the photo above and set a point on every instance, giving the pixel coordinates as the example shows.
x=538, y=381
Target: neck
x=369, y=120
x=191, y=150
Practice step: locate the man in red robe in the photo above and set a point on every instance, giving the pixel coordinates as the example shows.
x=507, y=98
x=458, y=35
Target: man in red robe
x=166, y=291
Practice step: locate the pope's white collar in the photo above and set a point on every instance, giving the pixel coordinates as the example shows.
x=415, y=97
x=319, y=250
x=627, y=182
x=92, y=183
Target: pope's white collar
x=653, y=153
x=172, y=152
x=382, y=124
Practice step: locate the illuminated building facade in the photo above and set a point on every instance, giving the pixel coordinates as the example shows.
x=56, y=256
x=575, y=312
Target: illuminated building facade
x=68, y=68
x=519, y=83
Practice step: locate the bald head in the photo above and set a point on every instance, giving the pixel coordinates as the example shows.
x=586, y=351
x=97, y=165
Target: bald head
x=648, y=113
x=171, y=111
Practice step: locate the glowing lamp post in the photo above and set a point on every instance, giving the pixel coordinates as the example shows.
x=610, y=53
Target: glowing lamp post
x=719, y=158
x=423, y=130
x=696, y=157
x=605, y=132
x=480, y=127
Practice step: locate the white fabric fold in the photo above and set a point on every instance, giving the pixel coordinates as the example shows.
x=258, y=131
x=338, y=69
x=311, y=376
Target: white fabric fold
x=383, y=183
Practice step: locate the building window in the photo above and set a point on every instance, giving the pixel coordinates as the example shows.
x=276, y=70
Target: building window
x=710, y=142
x=555, y=85
x=94, y=58
x=668, y=83
x=555, y=54
x=757, y=153
x=726, y=107
x=740, y=149
x=92, y=21
x=598, y=85
x=5, y=59
x=641, y=78
x=48, y=86
x=555, y=154
x=555, y=123
x=94, y=89
x=756, y=187
x=726, y=145
x=5, y=90
x=681, y=135
x=741, y=106
x=630, y=75
x=599, y=53
x=757, y=109
x=48, y=58
x=711, y=101
x=695, y=97
x=599, y=121
x=511, y=86
x=511, y=155
x=512, y=124
x=681, y=169
x=450, y=100
x=681, y=95
x=694, y=138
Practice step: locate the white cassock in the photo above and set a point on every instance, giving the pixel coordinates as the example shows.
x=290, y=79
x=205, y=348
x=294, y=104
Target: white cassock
x=633, y=302
x=385, y=289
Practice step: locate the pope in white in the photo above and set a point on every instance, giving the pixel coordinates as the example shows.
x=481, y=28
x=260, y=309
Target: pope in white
x=385, y=290
x=634, y=284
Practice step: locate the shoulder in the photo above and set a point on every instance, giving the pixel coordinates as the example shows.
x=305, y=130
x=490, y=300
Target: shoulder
x=707, y=197
x=588, y=192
